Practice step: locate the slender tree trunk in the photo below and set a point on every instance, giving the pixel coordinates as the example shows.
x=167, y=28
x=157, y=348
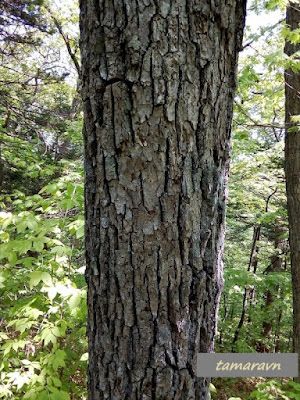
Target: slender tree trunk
x=158, y=84
x=253, y=261
x=249, y=293
x=275, y=266
x=292, y=168
x=1, y=169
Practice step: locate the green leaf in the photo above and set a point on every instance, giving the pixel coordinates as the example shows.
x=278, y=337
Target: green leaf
x=7, y=347
x=64, y=395
x=49, y=381
x=70, y=189
x=31, y=395
x=56, y=382
x=50, y=334
x=4, y=250
x=2, y=279
x=38, y=244
x=12, y=258
x=22, y=325
x=61, y=250
x=67, y=204
x=58, y=395
x=59, y=361
x=28, y=261
x=46, y=278
x=74, y=300
x=43, y=395
x=80, y=232
x=212, y=387
x=4, y=236
x=22, y=246
x=21, y=226
x=31, y=222
x=35, y=278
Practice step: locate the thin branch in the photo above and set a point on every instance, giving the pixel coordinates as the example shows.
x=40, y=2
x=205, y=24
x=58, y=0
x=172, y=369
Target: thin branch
x=66, y=40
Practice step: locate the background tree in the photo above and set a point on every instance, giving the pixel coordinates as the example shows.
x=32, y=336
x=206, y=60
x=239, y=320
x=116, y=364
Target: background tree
x=292, y=159
x=19, y=22
x=158, y=85
x=257, y=230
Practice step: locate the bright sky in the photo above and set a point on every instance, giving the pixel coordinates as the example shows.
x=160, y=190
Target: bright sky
x=254, y=21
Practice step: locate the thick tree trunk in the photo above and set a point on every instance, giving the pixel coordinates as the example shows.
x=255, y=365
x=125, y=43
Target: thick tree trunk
x=292, y=168
x=158, y=84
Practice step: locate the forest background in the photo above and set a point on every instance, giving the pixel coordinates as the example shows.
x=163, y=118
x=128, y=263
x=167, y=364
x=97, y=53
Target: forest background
x=43, y=348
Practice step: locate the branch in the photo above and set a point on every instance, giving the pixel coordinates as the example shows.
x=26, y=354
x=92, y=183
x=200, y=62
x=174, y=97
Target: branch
x=66, y=40
x=258, y=125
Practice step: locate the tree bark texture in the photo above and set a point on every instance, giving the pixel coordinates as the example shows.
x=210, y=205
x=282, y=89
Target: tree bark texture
x=292, y=168
x=158, y=84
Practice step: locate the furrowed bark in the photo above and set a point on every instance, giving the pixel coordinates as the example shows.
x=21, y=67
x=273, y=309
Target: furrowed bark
x=158, y=84
x=292, y=169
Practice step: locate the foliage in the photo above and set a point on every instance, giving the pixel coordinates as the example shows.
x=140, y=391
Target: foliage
x=260, y=389
x=43, y=291
x=275, y=389
x=37, y=104
x=42, y=287
x=19, y=22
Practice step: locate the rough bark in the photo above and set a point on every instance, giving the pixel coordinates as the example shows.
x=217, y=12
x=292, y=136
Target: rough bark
x=292, y=169
x=158, y=84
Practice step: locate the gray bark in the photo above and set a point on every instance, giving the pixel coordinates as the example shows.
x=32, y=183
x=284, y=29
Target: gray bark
x=158, y=84
x=292, y=169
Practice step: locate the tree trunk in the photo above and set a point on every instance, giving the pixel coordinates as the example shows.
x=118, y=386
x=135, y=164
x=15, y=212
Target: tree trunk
x=275, y=266
x=249, y=292
x=158, y=84
x=292, y=169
